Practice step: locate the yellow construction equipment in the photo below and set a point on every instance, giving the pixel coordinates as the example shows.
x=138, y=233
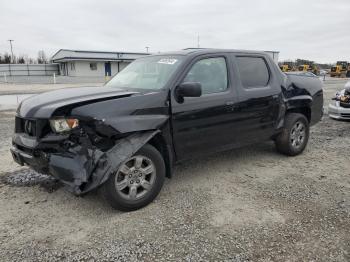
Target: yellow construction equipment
x=341, y=69
x=304, y=68
x=287, y=66
x=309, y=67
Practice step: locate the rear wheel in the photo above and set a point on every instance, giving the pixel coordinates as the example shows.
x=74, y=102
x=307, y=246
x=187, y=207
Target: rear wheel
x=137, y=181
x=294, y=136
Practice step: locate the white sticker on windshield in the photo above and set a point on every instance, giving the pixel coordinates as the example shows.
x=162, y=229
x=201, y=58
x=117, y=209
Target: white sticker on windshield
x=168, y=61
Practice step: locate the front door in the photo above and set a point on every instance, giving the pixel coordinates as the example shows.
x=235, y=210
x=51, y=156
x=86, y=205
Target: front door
x=108, y=71
x=205, y=124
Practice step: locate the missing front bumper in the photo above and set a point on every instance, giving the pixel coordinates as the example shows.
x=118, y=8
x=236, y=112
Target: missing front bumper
x=81, y=169
x=22, y=158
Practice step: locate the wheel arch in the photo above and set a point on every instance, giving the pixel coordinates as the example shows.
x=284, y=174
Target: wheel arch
x=159, y=142
x=301, y=105
x=306, y=111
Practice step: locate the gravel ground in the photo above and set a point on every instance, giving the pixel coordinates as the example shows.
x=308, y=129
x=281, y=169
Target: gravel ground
x=250, y=204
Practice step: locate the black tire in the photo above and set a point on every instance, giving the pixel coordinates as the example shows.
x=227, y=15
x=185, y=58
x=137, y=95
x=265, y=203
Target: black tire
x=285, y=142
x=114, y=197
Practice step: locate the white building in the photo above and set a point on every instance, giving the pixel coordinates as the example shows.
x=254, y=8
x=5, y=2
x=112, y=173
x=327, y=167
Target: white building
x=92, y=63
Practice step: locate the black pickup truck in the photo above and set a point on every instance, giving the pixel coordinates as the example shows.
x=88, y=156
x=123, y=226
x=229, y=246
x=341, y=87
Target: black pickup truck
x=125, y=137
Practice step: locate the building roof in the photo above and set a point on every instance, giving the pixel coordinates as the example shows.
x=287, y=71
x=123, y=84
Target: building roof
x=64, y=55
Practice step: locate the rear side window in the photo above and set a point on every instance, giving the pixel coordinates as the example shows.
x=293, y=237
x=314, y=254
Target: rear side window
x=253, y=71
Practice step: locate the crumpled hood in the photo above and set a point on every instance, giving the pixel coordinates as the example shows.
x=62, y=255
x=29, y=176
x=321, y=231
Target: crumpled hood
x=45, y=104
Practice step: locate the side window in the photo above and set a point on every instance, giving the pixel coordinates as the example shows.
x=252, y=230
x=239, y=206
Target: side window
x=211, y=73
x=253, y=71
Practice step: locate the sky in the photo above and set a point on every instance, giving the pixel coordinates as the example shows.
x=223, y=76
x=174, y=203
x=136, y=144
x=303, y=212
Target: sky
x=317, y=30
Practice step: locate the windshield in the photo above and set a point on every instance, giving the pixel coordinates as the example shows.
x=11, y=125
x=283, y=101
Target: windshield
x=150, y=73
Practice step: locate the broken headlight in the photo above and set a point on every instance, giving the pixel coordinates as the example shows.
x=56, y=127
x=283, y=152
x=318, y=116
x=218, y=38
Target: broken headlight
x=60, y=125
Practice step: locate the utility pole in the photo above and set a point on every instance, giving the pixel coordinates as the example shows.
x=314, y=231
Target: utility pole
x=198, y=42
x=147, y=48
x=10, y=40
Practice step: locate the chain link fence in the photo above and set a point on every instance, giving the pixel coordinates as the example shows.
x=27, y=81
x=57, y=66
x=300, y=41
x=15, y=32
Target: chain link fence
x=50, y=79
x=29, y=69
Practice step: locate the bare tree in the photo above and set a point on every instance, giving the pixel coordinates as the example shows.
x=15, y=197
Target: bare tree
x=7, y=58
x=42, y=58
x=14, y=59
x=26, y=58
x=21, y=60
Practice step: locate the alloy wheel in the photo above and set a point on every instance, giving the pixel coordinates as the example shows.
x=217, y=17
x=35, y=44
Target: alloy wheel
x=298, y=134
x=135, y=177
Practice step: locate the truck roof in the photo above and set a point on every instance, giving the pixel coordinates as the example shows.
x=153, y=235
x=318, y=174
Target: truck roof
x=189, y=51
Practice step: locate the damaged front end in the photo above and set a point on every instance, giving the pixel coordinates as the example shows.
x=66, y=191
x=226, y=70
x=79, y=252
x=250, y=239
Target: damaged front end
x=340, y=109
x=82, y=158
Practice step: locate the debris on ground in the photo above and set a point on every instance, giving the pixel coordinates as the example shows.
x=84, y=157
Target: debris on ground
x=29, y=177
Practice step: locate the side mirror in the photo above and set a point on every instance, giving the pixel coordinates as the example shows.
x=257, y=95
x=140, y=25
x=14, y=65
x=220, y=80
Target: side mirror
x=188, y=89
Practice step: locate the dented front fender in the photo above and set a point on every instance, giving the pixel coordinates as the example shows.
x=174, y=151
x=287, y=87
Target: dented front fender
x=82, y=170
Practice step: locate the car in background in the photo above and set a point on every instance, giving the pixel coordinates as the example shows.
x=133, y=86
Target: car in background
x=340, y=109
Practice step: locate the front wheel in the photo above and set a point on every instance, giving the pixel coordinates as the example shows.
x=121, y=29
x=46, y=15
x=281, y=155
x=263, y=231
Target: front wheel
x=294, y=136
x=137, y=181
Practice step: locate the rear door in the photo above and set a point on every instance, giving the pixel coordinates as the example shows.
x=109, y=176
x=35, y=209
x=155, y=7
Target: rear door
x=260, y=98
x=205, y=124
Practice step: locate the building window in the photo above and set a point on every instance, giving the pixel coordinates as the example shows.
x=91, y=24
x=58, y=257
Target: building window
x=93, y=66
x=72, y=66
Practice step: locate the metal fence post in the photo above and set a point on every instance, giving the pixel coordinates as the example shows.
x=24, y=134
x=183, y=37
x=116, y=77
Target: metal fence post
x=54, y=78
x=5, y=78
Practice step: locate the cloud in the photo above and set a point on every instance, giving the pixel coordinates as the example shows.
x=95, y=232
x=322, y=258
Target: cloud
x=315, y=30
